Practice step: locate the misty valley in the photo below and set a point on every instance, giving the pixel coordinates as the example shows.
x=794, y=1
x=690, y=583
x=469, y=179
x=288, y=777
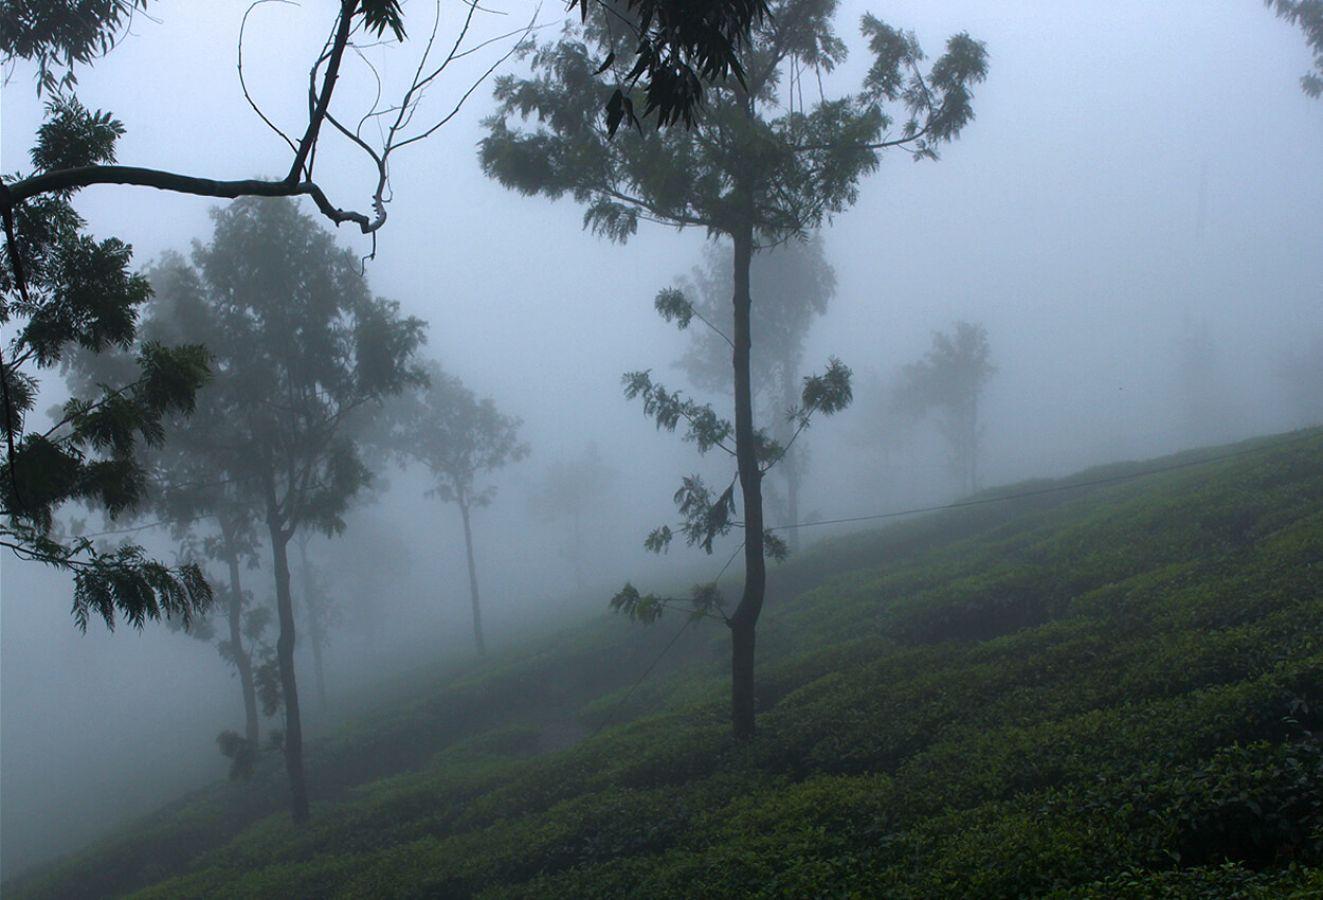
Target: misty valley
x=643, y=448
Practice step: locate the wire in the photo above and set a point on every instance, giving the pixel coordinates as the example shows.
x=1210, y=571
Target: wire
x=646, y=672
x=1001, y=498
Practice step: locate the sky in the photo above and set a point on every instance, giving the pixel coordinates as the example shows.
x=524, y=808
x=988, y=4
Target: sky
x=1136, y=171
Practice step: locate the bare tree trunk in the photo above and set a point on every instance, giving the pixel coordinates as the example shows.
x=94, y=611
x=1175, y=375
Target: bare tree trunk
x=578, y=552
x=473, y=578
x=973, y=443
x=298, y=787
x=791, y=463
x=243, y=661
x=316, y=626
x=743, y=623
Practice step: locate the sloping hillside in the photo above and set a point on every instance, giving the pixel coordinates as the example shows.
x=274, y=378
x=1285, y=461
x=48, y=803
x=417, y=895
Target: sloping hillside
x=1114, y=688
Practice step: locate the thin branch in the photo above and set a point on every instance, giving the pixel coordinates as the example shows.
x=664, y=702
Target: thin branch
x=309, y=139
x=243, y=84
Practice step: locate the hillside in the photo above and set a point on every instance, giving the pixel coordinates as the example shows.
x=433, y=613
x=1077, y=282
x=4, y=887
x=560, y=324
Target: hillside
x=1108, y=689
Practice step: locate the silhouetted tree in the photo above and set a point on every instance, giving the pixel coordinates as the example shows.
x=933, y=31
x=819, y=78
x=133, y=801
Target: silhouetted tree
x=1308, y=16
x=207, y=514
x=73, y=288
x=573, y=490
x=64, y=292
x=760, y=167
x=949, y=380
x=461, y=441
x=300, y=347
x=793, y=283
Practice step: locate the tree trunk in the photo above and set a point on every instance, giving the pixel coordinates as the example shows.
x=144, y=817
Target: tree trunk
x=745, y=619
x=473, y=578
x=792, y=503
x=578, y=552
x=242, y=660
x=791, y=463
x=298, y=787
x=316, y=629
x=973, y=443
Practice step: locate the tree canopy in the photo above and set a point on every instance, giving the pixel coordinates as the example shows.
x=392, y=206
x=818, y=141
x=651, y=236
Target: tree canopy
x=949, y=380
x=459, y=439
x=760, y=167
x=1308, y=16
x=301, y=351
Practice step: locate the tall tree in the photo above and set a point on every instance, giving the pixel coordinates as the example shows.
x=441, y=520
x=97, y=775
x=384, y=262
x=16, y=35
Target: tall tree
x=759, y=168
x=461, y=441
x=300, y=347
x=1301, y=373
x=206, y=513
x=53, y=271
x=793, y=283
x=572, y=491
x=949, y=380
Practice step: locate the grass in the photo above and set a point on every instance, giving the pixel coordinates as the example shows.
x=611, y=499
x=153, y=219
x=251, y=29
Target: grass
x=1114, y=689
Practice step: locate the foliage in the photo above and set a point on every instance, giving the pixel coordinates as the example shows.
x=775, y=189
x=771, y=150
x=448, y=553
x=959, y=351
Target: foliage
x=75, y=294
x=950, y=379
x=574, y=489
x=456, y=436
x=679, y=46
x=755, y=170
x=304, y=356
x=792, y=281
x=1308, y=16
x=1153, y=735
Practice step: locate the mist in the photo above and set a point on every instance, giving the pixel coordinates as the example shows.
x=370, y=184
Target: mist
x=1132, y=217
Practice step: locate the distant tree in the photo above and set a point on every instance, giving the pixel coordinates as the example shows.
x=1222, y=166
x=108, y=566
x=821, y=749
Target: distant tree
x=1301, y=374
x=207, y=514
x=1308, y=15
x=1204, y=405
x=759, y=168
x=74, y=288
x=949, y=380
x=318, y=613
x=461, y=441
x=883, y=427
x=793, y=283
x=573, y=490
x=300, y=348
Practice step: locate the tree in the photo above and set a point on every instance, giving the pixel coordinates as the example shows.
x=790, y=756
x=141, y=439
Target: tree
x=300, y=347
x=460, y=440
x=318, y=613
x=208, y=515
x=793, y=283
x=65, y=292
x=1308, y=16
x=67, y=288
x=759, y=168
x=950, y=380
x=48, y=262
x=1301, y=373
x=573, y=489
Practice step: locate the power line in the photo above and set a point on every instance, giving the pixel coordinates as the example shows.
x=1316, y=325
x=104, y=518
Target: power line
x=1001, y=498
x=646, y=672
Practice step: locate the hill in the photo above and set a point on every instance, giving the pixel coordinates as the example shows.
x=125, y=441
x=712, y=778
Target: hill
x=1110, y=685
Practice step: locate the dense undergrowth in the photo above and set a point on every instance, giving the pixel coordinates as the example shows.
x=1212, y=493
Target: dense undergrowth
x=1110, y=690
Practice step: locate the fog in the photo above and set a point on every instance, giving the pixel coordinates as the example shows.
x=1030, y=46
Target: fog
x=1138, y=176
